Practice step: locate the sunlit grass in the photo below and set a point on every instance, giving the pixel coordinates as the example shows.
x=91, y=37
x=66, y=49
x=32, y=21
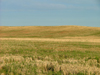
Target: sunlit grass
x=49, y=58
x=49, y=50
x=48, y=31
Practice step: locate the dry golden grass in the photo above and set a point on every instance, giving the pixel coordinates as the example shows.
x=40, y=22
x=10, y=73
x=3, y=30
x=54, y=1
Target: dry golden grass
x=68, y=66
x=49, y=31
x=49, y=50
x=69, y=39
x=29, y=57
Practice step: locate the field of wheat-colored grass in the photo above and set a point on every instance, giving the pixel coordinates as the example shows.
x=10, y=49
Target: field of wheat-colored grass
x=49, y=50
x=49, y=31
x=29, y=57
x=69, y=39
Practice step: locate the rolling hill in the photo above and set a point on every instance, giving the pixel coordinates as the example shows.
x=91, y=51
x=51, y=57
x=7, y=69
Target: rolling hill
x=48, y=31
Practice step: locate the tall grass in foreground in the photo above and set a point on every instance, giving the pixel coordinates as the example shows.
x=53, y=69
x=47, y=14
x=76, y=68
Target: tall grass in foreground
x=49, y=58
x=18, y=65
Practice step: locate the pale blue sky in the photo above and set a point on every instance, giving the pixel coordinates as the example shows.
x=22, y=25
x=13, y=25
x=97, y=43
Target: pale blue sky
x=49, y=12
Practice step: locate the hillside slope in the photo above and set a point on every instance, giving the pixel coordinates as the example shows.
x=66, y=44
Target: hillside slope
x=48, y=31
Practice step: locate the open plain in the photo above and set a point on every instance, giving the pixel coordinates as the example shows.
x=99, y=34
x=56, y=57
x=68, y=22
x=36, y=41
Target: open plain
x=49, y=50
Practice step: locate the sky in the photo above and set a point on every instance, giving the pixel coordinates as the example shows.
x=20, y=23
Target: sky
x=50, y=12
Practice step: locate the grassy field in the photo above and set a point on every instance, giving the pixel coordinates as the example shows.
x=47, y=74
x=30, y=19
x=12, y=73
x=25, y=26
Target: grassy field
x=48, y=31
x=58, y=50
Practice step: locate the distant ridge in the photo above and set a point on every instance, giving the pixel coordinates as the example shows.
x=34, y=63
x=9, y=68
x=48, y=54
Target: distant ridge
x=48, y=31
